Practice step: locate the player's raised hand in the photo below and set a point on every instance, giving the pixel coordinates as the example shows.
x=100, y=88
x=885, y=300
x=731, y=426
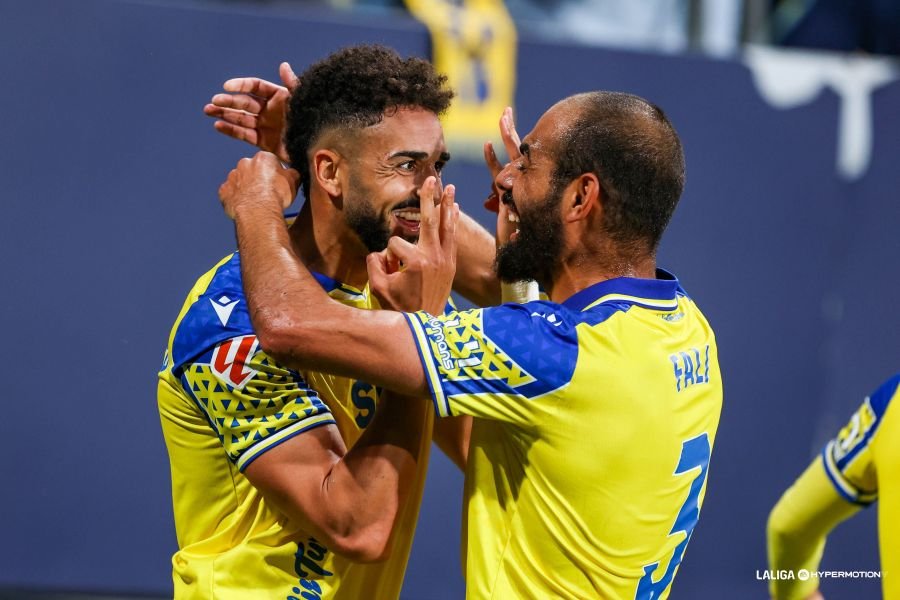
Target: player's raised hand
x=511, y=143
x=258, y=184
x=254, y=110
x=419, y=276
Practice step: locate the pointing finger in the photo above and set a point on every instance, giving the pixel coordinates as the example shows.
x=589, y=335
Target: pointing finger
x=428, y=214
x=490, y=158
x=509, y=135
x=449, y=217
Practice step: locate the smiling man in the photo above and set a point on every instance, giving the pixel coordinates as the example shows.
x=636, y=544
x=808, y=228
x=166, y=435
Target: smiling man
x=289, y=482
x=595, y=413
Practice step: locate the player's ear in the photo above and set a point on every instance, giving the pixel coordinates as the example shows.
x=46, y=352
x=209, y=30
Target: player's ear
x=582, y=197
x=326, y=170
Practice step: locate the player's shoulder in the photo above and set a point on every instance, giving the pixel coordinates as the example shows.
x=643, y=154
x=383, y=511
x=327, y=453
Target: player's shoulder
x=600, y=302
x=863, y=427
x=880, y=399
x=538, y=338
x=216, y=311
x=540, y=314
x=593, y=305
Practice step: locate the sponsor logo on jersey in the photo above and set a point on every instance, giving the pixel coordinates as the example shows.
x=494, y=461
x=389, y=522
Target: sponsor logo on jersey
x=230, y=358
x=223, y=307
x=551, y=318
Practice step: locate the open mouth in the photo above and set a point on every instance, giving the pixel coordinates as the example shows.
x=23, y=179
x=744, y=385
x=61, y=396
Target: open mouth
x=408, y=218
x=512, y=215
x=514, y=219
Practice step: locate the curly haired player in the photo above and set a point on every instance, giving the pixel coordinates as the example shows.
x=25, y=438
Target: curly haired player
x=292, y=483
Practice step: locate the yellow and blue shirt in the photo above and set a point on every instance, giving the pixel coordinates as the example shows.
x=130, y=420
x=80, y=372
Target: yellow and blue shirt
x=595, y=420
x=223, y=402
x=856, y=468
x=863, y=464
x=850, y=458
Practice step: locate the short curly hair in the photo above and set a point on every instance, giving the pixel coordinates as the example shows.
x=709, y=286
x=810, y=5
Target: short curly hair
x=354, y=88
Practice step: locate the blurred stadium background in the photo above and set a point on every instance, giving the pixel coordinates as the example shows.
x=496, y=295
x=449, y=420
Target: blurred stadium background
x=787, y=236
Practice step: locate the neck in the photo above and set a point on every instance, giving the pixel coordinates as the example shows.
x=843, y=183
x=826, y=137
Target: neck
x=582, y=271
x=325, y=244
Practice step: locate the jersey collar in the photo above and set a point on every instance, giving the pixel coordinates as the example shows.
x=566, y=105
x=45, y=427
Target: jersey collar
x=331, y=285
x=660, y=293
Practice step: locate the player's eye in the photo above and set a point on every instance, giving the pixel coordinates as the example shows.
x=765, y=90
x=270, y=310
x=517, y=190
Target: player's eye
x=439, y=166
x=407, y=165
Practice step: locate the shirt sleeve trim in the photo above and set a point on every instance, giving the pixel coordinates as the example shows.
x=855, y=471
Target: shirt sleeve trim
x=258, y=449
x=847, y=490
x=432, y=377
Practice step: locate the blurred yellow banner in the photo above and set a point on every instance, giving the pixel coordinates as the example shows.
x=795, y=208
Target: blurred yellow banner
x=474, y=45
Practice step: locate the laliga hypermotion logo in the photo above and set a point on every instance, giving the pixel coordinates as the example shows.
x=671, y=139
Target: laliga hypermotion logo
x=229, y=360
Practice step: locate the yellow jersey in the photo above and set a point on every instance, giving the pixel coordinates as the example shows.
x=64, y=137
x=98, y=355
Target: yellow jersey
x=856, y=468
x=223, y=402
x=594, y=424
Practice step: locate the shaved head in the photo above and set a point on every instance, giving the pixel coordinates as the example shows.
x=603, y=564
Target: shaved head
x=635, y=152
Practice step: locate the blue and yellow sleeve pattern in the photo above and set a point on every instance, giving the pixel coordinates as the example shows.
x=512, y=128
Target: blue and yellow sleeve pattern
x=848, y=457
x=484, y=362
x=251, y=402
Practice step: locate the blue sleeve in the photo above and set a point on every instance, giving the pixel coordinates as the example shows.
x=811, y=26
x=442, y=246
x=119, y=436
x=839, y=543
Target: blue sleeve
x=488, y=362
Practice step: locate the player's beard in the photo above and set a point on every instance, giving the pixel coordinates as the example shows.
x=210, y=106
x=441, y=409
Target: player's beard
x=534, y=254
x=372, y=231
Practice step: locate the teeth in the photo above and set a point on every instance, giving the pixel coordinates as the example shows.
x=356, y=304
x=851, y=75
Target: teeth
x=409, y=215
x=513, y=218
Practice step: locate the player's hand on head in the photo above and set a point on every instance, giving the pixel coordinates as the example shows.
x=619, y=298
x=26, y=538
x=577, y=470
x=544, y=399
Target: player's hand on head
x=419, y=276
x=254, y=110
x=259, y=183
x=494, y=203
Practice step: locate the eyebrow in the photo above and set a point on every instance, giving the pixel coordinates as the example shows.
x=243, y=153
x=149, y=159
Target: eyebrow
x=417, y=155
x=414, y=154
x=525, y=149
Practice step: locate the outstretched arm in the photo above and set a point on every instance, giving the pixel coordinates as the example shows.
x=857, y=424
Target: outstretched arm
x=797, y=528
x=293, y=317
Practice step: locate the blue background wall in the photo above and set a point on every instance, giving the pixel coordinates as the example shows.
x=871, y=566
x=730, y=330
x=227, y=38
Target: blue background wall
x=109, y=213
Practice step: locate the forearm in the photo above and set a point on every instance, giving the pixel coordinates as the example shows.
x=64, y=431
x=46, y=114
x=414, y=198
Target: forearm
x=368, y=488
x=798, y=527
x=475, y=277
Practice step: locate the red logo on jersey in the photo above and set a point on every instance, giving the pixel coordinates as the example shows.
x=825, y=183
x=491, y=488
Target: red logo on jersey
x=229, y=360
